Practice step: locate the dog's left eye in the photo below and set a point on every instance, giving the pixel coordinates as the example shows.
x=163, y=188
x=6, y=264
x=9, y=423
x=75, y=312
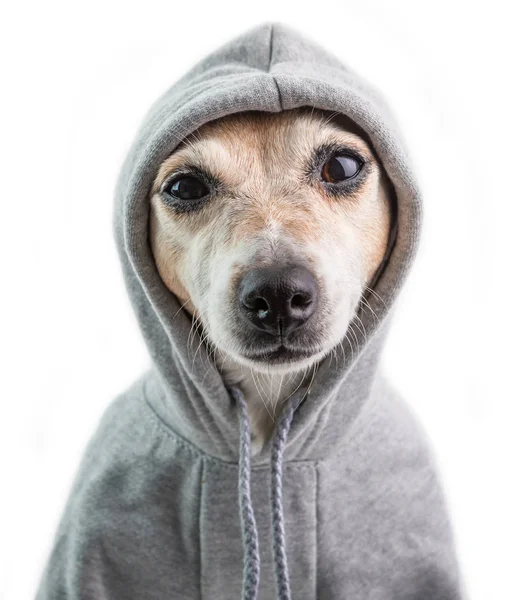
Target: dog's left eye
x=187, y=188
x=341, y=167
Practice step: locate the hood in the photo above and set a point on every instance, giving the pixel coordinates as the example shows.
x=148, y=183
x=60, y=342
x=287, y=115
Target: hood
x=269, y=68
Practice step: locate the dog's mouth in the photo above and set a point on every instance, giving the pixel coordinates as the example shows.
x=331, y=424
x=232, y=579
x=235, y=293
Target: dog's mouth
x=281, y=353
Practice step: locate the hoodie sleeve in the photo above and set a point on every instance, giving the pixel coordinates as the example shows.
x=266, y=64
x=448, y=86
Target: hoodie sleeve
x=79, y=564
x=68, y=565
x=383, y=507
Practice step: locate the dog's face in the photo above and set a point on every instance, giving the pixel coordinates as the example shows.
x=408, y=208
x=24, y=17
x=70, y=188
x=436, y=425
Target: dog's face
x=269, y=227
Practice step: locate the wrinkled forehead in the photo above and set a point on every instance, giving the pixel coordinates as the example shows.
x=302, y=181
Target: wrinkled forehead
x=247, y=141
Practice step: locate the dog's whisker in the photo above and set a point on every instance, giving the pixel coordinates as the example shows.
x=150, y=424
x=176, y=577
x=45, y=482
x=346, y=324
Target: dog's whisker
x=374, y=293
x=333, y=354
x=261, y=396
x=198, y=348
x=342, y=352
x=193, y=331
x=351, y=348
x=299, y=385
x=204, y=335
x=367, y=304
x=361, y=328
x=353, y=333
x=316, y=365
x=212, y=349
x=190, y=333
x=191, y=140
x=330, y=117
x=261, y=383
x=255, y=381
x=182, y=306
x=315, y=368
x=280, y=387
x=196, y=324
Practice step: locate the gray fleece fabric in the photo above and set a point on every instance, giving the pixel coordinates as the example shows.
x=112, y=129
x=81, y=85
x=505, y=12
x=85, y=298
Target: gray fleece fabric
x=345, y=502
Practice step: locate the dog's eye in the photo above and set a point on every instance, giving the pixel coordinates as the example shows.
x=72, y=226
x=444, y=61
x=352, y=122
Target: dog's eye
x=187, y=188
x=340, y=168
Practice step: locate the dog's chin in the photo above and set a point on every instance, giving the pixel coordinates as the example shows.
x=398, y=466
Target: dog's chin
x=280, y=359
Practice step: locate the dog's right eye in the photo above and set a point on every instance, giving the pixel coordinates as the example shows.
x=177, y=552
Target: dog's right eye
x=187, y=188
x=341, y=167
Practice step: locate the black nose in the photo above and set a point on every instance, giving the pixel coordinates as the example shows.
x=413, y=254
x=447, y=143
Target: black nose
x=278, y=299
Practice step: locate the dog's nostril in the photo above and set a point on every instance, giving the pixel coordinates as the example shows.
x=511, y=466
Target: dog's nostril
x=278, y=299
x=257, y=304
x=299, y=301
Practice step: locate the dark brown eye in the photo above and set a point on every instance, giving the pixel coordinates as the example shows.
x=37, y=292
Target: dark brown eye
x=340, y=168
x=187, y=188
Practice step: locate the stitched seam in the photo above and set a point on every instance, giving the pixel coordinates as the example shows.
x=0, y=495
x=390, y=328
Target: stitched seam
x=316, y=532
x=203, y=467
x=271, y=36
x=216, y=464
x=158, y=423
x=211, y=461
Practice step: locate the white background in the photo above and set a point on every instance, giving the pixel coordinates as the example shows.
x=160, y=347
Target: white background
x=76, y=81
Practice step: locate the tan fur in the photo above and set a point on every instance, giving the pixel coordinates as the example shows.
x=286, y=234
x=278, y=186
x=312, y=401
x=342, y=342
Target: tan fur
x=270, y=206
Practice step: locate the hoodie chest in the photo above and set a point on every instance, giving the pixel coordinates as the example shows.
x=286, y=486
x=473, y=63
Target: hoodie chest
x=221, y=552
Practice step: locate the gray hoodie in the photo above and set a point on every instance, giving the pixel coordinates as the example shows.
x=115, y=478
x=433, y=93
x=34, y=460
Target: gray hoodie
x=345, y=502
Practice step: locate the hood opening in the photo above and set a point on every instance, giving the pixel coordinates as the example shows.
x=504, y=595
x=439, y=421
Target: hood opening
x=269, y=68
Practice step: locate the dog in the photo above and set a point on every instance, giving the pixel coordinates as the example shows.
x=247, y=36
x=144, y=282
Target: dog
x=269, y=228
x=266, y=218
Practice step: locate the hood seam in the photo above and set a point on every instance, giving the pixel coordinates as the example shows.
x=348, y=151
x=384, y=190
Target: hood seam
x=271, y=44
x=201, y=484
x=316, y=528
x=158, y=422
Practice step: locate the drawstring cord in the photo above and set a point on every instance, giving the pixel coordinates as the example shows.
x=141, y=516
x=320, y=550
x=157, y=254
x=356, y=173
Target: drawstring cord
x=281, y=570
x=251, y=574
